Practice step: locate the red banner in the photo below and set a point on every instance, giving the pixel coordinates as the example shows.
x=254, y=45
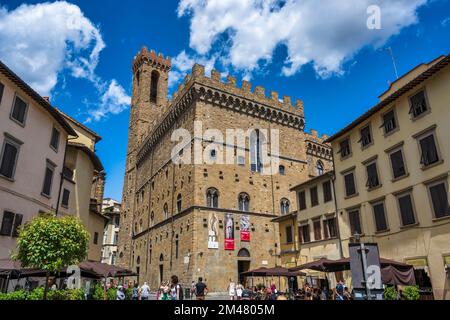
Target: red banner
x=245, y=228
x=229, y=232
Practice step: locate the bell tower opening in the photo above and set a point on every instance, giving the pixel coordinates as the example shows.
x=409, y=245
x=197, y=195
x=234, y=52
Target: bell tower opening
x=154, y=86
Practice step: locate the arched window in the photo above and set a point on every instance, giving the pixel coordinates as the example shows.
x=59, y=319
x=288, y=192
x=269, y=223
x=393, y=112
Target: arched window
x=166, y=211
x=257, y=140
x=244, y=253
x=244, y=202
x=138, y=260
x=154, y=86
x=284, y=206
x=320, y=169
x=282, y=170
x=152, y=218
x=179, y=203
x=212, y=198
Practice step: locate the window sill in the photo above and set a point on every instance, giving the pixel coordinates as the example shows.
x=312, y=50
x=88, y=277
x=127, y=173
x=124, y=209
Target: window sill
x=17, y=122
x=400, y=178
x=432, y=165
x=65, y=207
x=441, y=218
x=351, y=196
x=387, y=134
x=367, y=146
x=420, y=115
x=382, y=231
x=374, y=188
x=346, y=157
x=409, y=226
x=45, y=195
x=6, y=178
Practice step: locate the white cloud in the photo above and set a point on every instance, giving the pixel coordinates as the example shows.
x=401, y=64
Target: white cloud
x=183, y=63
x=113, y=101
x=42, y=42
x=325, y=34
x=445, y=22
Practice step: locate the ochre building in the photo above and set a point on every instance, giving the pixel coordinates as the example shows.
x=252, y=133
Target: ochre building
x=202, y=218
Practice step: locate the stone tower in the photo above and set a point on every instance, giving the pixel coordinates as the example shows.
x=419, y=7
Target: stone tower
x=149, y=100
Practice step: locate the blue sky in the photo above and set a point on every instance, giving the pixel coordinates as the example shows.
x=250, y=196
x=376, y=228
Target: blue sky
x=80, y=53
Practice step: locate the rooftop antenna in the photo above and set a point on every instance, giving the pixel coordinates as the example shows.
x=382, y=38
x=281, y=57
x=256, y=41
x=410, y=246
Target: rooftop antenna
x=393, y=60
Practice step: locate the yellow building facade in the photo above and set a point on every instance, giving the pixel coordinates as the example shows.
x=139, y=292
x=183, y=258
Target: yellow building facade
x=392, y=174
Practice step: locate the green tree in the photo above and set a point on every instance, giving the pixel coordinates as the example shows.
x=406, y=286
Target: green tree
x=51, y=243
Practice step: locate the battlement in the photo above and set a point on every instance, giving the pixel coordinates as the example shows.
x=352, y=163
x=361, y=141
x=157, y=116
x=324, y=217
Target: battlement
x=230, y=84
x=157, y=60
x=313, y=136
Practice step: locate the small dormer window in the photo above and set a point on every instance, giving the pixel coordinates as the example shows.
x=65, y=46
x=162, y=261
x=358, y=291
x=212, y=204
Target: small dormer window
x=418, y=104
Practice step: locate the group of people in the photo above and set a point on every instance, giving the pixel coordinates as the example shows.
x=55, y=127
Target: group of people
x=239, y=292
x=341, y=292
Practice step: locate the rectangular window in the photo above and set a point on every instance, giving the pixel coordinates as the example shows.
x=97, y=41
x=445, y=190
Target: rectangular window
x=95, y=237
x=2, y=88
x=366, y=136
x=372, y=176
x=429, y=152
x=345, y=148
x=327, y=194
x=329, y=226
x=389, y=122
x=398, y=164
x=48, y=179
x=116, y=238
x=314, y=197
x=355, y=222
x=7, y=223
x=304, y=232
x=380, y=216
x=9, y=158
x=19, y=110
x=418, y=104
x=289, y=234
x=17, y=223
x=302, y=200
x=406, y=210
x=317, y=230
x=54, y=142
x=439, y=199
x=176, y=249
x=350, y=188
x=65, y=198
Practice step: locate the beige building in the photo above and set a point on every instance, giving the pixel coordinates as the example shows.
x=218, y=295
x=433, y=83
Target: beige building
x=33, y=137
x=111, y=209
x=182, y=218
x=83, y=185
x=392, y=174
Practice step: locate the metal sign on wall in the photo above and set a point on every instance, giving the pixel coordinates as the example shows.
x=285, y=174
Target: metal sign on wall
x=365, y=267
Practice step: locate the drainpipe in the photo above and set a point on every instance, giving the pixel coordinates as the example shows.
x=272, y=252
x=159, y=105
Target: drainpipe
x=62, y=175
x=341, y=251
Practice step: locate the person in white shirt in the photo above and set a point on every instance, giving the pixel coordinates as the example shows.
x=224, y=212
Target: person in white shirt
x=232, y=290
x=239, y=291
x=145, y=291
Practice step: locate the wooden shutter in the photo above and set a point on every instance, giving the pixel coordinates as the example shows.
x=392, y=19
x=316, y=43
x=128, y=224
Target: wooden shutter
x=440, y=200
x=7, y=223
x=429, y=151
x=48, y=181
x=317, y=230
x=350, y=184
x=302, y=200
x=406, y=210
x=2, y=88
x=17, y=223
x=380, y=217
x=355, y=223
x=398, y=165
x=289, y=234
x=314, y=197
x=19, y=110
x=9, y=160
x=327, y=191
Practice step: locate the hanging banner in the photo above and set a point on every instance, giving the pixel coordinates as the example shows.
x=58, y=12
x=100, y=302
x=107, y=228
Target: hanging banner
x=245, y=228
x=213, y=234
x=229, y=232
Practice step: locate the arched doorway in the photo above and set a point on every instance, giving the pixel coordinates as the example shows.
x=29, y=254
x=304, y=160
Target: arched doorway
x=161, y=268
x=244, y=259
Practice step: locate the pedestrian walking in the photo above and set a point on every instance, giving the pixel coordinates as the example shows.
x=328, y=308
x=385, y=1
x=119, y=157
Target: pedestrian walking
x=165, y=290
x=145, y=291
x=192, y=289
x=239, y=291
x=176, y=289
x=201, y=290
x=120, y=295
x=232, y=290
x=135, y=292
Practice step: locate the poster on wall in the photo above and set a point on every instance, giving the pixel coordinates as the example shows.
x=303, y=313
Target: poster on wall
x=245, y=228
x=213, y=234
x=229, y=232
